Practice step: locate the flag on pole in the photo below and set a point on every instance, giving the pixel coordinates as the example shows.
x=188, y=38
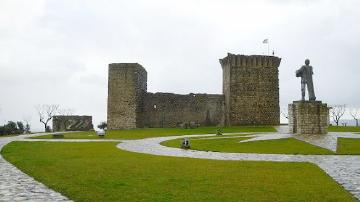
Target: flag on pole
x=266, y=41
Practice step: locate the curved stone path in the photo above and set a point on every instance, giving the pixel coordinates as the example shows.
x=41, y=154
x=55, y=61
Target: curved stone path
x=345, y=169
x=18, y=186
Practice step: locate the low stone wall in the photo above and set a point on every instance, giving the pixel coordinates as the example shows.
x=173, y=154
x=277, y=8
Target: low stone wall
x=308, y=117
x=72, y=123
x=172, y=110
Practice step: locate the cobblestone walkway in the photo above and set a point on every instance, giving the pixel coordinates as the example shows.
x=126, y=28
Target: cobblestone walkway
x=345, y=169
x=328, y=141
x=18, y=186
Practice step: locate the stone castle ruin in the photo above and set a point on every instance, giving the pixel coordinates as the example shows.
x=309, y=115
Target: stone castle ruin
x=250, y=97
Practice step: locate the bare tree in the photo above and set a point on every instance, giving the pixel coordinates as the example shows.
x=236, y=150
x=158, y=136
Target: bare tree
x=46, y=113
x=355, y=113
x=27, y=119
x=284, y=112
x=336, y=112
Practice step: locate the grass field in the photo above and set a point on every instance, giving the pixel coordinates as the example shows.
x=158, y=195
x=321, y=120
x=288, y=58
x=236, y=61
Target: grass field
x=101, y=172
x=348, y=146
x=281, y=146
x=344, y=129
x=159, y=132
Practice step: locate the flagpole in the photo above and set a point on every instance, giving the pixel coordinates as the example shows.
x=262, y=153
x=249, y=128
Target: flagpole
x=268, y=45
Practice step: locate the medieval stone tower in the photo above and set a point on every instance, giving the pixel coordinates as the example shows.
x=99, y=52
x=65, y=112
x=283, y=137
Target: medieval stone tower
x=250, y=97
x=251, y=89
x=126, y=89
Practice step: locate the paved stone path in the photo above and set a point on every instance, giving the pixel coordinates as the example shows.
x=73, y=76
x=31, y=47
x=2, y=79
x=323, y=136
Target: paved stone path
x=328, y=141
x=18, y=186
x=345, y=169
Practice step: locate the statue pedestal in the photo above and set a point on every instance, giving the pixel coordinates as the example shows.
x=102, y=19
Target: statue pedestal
x=308, y=117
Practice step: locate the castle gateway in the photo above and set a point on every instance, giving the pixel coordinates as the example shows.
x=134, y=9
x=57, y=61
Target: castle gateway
x=250, y=97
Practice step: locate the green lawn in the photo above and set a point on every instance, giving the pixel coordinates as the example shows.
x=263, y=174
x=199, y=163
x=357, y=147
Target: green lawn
x=101, y=172
x=348, y=146
x=344, y=129
x=281, y=146
x=159, y=132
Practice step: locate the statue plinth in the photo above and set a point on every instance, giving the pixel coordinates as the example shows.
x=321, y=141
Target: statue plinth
x=308, y=117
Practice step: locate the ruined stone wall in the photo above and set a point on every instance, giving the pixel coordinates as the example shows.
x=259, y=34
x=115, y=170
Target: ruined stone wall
x=250, y=96
x=308, y=117
x=72, y=123
x=251, y=89
x=171, y=110
x=126, y=90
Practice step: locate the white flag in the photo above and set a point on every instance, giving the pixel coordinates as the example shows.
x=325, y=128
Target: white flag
x=266, y=41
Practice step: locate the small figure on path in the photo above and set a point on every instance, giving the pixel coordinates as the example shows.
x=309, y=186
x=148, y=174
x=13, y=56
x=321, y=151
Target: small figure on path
x=306, y=72
x=185, y=143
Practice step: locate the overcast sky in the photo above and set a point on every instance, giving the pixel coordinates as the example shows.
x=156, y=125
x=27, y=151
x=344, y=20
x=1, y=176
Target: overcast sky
x=57, y=52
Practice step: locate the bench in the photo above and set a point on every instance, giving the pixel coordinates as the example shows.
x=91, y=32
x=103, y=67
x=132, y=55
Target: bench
x=58, y=135
x=100, y=133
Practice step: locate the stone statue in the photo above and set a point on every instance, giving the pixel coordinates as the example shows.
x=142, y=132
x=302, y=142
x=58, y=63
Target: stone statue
x=306, y=72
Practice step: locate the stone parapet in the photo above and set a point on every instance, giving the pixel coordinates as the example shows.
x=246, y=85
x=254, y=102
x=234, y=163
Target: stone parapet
x=250, y=97
x=250, y=60
x=308, y=117
x=251, y=89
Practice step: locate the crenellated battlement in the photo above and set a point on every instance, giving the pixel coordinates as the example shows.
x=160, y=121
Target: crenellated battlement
x=124, y=65
x=251, y=89
x=250, y=60
x=250, y=97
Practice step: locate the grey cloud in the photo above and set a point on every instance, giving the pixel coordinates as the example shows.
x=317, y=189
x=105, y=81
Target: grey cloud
x=58, y=51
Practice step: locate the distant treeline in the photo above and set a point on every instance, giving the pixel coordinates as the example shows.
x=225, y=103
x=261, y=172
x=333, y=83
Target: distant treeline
x=14, y=128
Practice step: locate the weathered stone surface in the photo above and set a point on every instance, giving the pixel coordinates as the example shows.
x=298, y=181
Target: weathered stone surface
x=308, y=117
x=251, y=89
x=126, y=90
x=250, y=96
x=72, y=123
x=172, y=110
